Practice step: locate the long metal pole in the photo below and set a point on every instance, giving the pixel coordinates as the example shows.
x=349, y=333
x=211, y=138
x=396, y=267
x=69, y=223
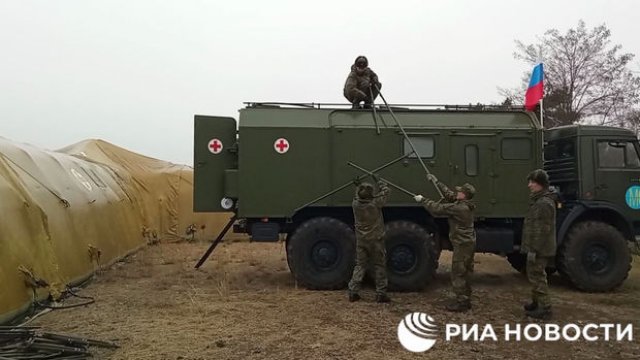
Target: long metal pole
x=541, y=115
x=385, y=180
x=350, y=183
x=216, y=241
x=408, y=140
x=373, y=107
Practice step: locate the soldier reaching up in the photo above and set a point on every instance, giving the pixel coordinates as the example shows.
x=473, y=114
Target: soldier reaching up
x=362, y=84
x=369, y=225
x=459, y=209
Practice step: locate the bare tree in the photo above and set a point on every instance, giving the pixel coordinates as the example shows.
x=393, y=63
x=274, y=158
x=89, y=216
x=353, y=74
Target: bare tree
x=631, y=121
x=586, y=78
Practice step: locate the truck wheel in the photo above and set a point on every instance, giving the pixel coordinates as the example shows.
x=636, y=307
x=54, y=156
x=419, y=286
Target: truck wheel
x=594, y=257
x=412, y=256
x=286, y=248
x=321, y=253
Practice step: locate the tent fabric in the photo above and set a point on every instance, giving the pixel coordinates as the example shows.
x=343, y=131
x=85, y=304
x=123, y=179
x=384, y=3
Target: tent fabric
x=166, y=201
x=66, y=213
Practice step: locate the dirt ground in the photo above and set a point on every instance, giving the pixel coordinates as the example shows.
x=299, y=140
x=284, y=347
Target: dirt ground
x=243, y=303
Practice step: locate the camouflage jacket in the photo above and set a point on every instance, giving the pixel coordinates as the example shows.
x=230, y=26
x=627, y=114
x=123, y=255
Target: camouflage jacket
x=460, y=215
x=369, y=223
x=360, y=80
x=539, y=229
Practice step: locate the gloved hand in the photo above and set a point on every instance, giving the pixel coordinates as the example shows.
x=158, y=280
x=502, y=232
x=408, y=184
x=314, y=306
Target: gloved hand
x=418, y=198
x=356, y=181
x=375, y=177
x=432, y=178
x=531, y=256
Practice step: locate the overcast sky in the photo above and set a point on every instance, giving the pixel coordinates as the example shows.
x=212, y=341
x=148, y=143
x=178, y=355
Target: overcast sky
x=134, y=72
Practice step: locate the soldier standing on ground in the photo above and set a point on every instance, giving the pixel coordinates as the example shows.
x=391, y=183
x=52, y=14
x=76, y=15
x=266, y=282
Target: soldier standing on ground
x=369, y=226
x=362, y=84
x=459, y=209
x=539, y=242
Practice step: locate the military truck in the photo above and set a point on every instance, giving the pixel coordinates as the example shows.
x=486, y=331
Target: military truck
x=288, y=171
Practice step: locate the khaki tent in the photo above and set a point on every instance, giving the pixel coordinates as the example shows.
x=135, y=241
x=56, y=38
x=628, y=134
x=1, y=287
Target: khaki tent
x=65, y=213
x=164, y=190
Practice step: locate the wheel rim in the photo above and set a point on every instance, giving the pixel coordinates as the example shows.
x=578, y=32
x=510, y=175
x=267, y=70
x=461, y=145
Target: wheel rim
x=325, y=255
x=597, y=259
x=402, y=259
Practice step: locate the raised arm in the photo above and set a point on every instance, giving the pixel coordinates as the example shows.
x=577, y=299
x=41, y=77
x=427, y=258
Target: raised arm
x=439, y=209
x=380, y=198
x=447, y=193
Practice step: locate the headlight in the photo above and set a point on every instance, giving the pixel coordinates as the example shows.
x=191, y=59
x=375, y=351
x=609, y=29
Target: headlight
x=226, y=203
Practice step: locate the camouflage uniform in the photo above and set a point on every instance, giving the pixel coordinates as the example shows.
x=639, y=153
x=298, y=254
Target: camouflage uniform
x=539, y=237
x=462, y=235
x=369, y=226
x=359, y=85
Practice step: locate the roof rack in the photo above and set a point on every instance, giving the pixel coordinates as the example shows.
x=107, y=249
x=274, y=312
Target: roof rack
x=312, y=105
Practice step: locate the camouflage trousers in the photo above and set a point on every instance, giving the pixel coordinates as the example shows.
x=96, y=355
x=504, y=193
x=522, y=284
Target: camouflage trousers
x=358, y=95
x=538, y=278
x=461, y=269
x=370, y=253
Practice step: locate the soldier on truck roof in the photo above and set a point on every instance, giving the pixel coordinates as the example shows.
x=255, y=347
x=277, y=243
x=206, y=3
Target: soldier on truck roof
x=362, y=84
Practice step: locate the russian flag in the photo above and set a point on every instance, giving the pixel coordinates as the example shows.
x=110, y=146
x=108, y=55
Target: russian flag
x=535, y=92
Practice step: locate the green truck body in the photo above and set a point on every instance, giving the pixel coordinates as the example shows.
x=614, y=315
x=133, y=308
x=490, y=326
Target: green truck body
x=284, y=169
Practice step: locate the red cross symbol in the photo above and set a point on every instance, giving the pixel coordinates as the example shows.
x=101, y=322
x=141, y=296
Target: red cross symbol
x=281, y=145
x=215, y=146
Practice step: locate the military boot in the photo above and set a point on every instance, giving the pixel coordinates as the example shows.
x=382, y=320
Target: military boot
x=540, y=312
x=531, y=306
x=354, y=296
x=382, y=298
x=459, y=306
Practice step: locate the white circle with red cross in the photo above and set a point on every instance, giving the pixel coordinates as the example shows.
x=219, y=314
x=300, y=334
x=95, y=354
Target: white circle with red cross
x=215, y=146
x=281, y=145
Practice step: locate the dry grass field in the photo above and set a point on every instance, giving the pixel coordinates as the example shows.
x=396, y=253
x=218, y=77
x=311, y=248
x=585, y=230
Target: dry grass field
x=244, y=304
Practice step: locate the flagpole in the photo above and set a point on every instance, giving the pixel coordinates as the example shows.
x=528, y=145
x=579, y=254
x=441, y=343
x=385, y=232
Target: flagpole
x=541, y=115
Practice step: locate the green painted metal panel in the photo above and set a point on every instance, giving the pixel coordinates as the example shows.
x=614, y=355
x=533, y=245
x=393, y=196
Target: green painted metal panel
x=325, y=118
x=595, y=181
x=370, y=150
x=320, y=143
x=231, y=183
x=273, y=184
x=214, y=152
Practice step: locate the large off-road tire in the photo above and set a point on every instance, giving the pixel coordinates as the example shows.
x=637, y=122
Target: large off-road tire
x=594, y=257
x=321, y=253
x=412, y=256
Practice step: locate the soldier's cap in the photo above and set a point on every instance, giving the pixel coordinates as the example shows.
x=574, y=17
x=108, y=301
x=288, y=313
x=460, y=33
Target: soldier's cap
x=467, y=189
x=365, y=191
x=361, y=57
x=539, y=176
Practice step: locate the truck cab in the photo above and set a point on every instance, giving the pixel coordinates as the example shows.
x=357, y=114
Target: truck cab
x=596, y=172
